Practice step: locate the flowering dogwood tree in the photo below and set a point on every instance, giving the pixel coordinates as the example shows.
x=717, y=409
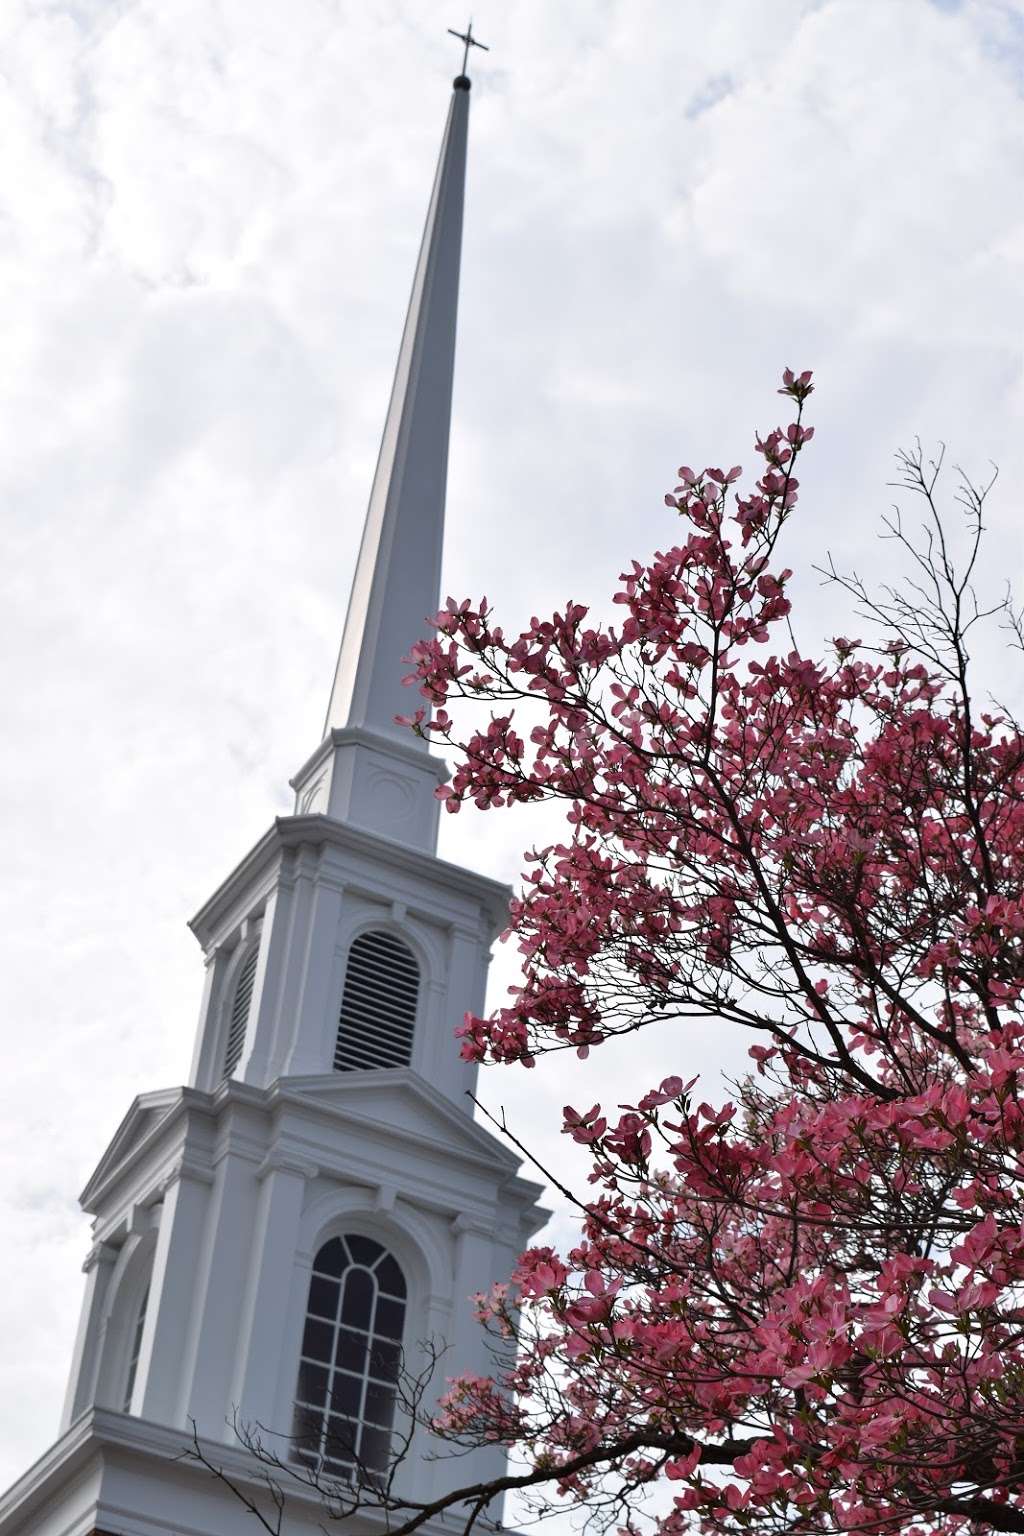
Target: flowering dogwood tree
x=802, y=1310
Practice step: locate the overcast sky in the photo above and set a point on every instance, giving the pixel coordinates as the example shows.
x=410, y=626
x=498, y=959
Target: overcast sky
x=209, y=213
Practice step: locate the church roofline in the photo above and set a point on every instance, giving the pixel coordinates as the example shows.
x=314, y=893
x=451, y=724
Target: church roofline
x=294, y=831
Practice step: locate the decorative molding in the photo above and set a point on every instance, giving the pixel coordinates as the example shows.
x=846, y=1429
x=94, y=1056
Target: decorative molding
x=244, y=1149
x=271, y=880
x=407, y=1230
x=396, y=793
x=465, y=1224
x=338, y=1098
x=100, y=1253
x=88, y=1442
x=279, y=1161
x=357, y=736
x=310, y=798
x=141, y=1219
x=252, y=926
x=263, y=863
x=187, y=1168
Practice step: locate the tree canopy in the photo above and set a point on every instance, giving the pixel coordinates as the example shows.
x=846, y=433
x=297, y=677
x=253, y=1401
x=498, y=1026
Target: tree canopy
x=802, y=1310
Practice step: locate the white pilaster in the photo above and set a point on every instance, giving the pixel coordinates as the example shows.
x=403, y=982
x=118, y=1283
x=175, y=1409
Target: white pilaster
x=269, y=1014
x=85, y=1362
x=204, y=1052
x=265, y=1301
x=314, y=1006
x=276, y=1028
x=222, y=1275
x=172, y=1296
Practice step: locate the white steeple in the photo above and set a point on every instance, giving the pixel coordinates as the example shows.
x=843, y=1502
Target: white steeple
x=368, y=770
x=398, y=574
x=321, y=1167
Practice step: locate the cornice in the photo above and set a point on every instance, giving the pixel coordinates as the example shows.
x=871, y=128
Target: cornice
x=338, y=1096
x=423, y=1189
x=187, y=1169
x=290, y=832
x=358, y=736
x=327, y=1099
x=278, y=1160
x=466, y=1224
x=100, y=1432
x=182, y=1103
x=101, y=1252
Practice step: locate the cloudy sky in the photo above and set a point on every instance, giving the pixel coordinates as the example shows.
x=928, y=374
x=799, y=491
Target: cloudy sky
x=209, y=213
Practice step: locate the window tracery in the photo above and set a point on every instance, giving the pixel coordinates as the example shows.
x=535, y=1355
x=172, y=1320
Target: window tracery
x=351, y=1357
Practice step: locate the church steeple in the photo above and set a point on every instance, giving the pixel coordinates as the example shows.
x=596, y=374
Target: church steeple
x=368, y=770
x=323, y=1148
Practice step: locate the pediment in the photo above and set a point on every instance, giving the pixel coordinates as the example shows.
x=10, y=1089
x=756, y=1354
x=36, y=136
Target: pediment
x=148, y=1111
x=401, y=1101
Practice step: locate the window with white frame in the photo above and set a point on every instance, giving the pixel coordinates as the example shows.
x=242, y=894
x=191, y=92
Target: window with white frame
x=351, y=1356
x=378, y=1004
x=241, y=1002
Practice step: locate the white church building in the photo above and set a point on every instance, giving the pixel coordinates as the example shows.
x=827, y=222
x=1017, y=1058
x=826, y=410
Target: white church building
x=270, y=1237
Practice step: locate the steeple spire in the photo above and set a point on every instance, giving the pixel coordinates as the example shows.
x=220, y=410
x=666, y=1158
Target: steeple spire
x=398, y=574
x=368, y=771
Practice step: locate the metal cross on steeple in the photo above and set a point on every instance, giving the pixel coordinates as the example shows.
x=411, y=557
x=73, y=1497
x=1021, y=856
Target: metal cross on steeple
x=470, y=42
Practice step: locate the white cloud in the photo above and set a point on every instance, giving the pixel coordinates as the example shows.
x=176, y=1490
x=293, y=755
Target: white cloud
x=208, y=220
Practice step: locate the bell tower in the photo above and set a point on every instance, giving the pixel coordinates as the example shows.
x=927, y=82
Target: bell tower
x=274, y=1239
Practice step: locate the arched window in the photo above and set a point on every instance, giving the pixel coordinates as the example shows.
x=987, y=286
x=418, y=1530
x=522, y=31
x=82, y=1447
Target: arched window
x=240, y=1003
x=378, y=1005
x=136, y=1350
x=351, y=1352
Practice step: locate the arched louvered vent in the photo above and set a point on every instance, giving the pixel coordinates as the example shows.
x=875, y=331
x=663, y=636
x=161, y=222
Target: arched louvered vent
x=240, y=1004
x=378, y=1007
